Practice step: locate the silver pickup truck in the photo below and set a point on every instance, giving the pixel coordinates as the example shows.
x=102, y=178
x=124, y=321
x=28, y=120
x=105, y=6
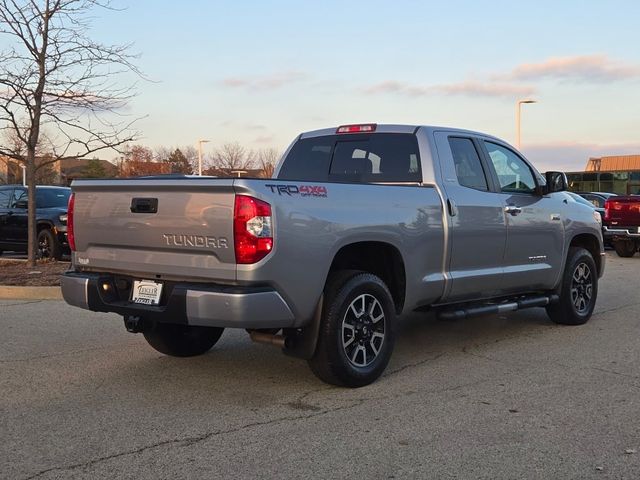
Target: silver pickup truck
x=359, y=225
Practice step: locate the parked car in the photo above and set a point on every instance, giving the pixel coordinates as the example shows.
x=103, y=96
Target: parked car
x=580, y=198
x=51, y=219
x=597, y=198
x=360, y=224
x=622, y=214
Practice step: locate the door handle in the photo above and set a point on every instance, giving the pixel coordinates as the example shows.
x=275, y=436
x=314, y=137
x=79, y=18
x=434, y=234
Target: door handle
x=512, y=210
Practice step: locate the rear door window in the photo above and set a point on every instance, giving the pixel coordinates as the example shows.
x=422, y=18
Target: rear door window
x=467, y=163
x=381, y=157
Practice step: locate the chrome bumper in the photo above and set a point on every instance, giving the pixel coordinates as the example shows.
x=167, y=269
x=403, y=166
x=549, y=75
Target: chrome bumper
x=622, y=232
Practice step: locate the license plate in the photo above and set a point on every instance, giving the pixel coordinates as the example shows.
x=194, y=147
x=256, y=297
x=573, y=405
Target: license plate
x=146, y=292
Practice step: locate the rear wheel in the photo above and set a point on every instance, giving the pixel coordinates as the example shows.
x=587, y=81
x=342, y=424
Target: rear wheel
x=357, y=330
x=625, y=248
x=182, y=340
x=579, y=289
x=48, y=246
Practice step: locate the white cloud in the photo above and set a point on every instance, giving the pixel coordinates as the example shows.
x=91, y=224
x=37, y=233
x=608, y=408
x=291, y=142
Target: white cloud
x=470, y=88
x=268, y=82
x=573, y=156
x=583, y=68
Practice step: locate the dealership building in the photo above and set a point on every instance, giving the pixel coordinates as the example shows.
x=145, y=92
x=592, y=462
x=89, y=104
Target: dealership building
x=616, y=174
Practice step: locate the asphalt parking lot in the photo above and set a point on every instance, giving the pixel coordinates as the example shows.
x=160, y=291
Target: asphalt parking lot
x=494, y=397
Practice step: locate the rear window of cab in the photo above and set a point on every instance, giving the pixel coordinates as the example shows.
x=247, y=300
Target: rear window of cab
x=356, y=158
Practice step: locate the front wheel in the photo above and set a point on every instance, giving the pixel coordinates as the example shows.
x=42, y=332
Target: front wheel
x=579, y=289
x=625, y=248
x=182, y=340
x=357, y=330
x=48, y=246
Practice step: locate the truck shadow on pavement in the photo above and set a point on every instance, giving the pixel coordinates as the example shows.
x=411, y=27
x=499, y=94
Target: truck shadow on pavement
x=254, y=376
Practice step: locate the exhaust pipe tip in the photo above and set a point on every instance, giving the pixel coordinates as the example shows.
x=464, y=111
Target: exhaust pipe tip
x=268, y=338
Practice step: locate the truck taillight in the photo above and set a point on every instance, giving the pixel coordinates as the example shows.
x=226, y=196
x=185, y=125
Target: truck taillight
x=70, y=236
x=607, y=213
x=252, y=233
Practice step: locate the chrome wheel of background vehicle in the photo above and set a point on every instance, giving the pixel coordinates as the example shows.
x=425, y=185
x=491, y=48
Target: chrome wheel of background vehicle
x=582, y=288
x=44, y=245
x=48, y=246
x=363, y=330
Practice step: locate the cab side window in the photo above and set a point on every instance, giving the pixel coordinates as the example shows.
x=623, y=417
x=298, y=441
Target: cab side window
x=514, y=174
x=467, y=163
x=5, y=197
x=19, y=195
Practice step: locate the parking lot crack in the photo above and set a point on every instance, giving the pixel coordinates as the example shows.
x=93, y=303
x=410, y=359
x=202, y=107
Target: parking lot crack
x=615, y=309
x=189, y=441
x=53, y=355
x=20, y=304
x=412, y=365
x=634, y=377
x=466, y=351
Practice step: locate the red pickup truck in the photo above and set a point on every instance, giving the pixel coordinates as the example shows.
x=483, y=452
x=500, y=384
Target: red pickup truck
x=622, y=217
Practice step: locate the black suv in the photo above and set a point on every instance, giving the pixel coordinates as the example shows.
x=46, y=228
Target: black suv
x=51, y=218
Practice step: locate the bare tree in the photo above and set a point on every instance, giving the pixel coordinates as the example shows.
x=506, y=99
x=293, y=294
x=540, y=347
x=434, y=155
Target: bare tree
x=53, y=76
x=191, y=153
x=139, y=160
x=267, y=158
x=232, y=156
x=182, y=159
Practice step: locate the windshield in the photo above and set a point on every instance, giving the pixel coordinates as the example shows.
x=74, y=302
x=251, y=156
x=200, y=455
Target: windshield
x=52, y=197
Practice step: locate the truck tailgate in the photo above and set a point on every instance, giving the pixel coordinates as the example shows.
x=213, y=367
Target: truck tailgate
x=170, y=228
x=623, y=211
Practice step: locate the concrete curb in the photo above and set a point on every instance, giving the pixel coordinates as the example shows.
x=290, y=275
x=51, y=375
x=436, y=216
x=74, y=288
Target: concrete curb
x=30, y=293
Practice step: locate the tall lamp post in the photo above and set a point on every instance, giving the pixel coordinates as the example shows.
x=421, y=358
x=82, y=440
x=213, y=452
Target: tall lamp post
x=200, y=142
x=518, y=109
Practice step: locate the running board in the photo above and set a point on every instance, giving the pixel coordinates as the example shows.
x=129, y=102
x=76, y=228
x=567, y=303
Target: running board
x=471, y=311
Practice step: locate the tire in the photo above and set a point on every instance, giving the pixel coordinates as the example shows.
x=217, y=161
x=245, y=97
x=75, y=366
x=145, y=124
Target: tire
x=48, y=246
x=182, y=340
x=578, y=289
x=625, y=248
x=354, y=344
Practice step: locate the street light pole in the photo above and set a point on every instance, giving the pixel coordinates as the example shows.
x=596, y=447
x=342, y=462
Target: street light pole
x=518, y=114
x=200, y=142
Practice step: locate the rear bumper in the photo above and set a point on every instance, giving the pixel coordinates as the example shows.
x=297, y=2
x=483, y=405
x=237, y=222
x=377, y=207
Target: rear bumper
x=630, y=232
x=191, y=304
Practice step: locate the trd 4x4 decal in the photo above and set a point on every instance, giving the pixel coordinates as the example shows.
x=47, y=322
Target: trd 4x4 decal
x=302, y=190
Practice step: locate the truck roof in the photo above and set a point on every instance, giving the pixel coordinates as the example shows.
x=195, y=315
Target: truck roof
x=397, y=128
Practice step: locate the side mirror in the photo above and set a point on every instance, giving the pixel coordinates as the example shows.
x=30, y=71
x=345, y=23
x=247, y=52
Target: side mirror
x=556, y=182
x=22, y=204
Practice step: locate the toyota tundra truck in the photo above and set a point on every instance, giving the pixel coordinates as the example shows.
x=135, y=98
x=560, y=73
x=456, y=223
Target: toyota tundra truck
x=359, y=225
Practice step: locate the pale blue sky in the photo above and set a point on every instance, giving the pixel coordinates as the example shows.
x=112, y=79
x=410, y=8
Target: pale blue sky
x=261, y=72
